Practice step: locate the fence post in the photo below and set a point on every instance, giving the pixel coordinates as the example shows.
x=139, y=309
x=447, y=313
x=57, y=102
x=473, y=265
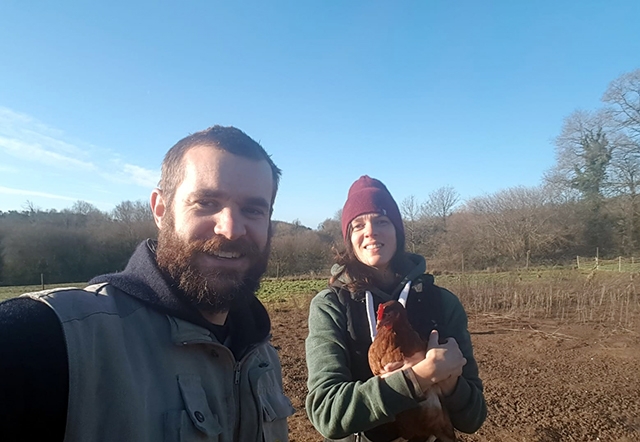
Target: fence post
x=578, y=261
x=597, y=256
x=619, y=263
x=42, y=280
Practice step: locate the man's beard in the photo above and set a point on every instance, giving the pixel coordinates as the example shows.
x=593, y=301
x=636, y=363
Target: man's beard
x=216, y=289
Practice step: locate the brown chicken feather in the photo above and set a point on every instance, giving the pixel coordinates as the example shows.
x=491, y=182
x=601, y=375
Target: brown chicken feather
x=396, y=341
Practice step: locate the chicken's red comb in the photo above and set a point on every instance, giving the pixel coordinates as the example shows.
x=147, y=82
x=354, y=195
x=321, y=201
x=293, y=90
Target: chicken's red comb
x=380, y=312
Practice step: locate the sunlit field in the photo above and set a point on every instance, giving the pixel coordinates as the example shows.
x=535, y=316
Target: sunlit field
x=609, y=297
x=271, y=290
x=569, y=295
x=13, y=291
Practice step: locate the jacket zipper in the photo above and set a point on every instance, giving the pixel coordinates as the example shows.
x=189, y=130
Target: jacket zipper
x=237, y=368
x=236, y=373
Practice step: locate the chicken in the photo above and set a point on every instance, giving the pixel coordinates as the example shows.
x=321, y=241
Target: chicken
x=396, y=341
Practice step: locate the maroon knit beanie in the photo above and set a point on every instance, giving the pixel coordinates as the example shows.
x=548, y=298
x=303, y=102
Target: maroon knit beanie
x=368, y=195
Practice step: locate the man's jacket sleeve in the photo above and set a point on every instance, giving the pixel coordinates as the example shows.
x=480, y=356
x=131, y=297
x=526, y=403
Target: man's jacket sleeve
x=34, y=373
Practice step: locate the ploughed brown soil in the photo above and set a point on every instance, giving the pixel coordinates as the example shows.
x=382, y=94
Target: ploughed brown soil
x=544, y=381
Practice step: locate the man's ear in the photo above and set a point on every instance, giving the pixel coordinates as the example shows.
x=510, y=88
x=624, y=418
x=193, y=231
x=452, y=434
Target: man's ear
x=158, y=206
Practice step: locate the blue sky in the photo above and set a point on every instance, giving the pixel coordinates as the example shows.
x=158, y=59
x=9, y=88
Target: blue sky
x=420, y=94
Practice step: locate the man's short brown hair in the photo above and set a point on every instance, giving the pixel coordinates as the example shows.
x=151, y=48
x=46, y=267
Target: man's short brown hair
x=229, y=139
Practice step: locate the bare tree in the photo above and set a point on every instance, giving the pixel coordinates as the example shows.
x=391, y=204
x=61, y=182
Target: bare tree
x=555, y=187
x=30, y=208
x=84, y=208
x=583, y=154
x=297, y=251
x=132, y=212
x=331, y=229
x=136, y=218
x=410, y=211
x=623, y=99
x=623, y=109
x=518, y=220
x=441, y=203
x=470, y=243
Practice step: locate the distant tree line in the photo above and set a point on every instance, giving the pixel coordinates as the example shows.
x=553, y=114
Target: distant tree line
x=588, y=204
x=76, y=244
x=71, y=245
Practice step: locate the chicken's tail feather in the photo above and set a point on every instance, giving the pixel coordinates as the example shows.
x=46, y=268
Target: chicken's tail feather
x=429, y=419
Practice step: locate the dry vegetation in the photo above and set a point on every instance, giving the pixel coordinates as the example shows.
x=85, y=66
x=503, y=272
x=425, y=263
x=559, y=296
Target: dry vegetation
x=567, y=296
x=558, y=350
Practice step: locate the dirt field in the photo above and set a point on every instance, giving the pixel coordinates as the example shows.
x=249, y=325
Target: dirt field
x=544, y=381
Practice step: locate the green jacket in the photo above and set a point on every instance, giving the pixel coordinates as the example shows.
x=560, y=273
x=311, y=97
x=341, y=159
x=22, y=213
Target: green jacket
x=339, y=405
x=138, y=374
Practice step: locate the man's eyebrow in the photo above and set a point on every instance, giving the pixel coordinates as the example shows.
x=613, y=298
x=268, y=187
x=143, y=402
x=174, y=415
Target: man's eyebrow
x=257, y=201
x=206, y=193
x=209, y=193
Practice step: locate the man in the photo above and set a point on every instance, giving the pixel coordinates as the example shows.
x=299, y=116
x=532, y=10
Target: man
x=175, y=347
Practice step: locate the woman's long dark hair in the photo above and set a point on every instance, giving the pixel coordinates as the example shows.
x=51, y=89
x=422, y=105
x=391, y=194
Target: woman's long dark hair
x=362, y=276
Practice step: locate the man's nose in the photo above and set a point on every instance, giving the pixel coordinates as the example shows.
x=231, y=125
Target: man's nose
x=229, y=224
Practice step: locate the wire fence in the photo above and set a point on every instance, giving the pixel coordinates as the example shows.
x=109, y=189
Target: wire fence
x=619, y=264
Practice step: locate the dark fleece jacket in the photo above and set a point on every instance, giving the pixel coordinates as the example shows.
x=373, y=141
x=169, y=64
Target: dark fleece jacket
x=34, y=372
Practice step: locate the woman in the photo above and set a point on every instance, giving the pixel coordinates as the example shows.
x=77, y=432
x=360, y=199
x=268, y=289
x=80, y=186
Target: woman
x=345, y=401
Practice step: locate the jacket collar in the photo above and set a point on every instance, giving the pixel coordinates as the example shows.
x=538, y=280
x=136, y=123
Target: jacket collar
x=411, y=267
x=143, y=280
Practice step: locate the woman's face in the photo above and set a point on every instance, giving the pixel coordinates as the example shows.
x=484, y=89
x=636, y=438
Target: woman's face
x=373, y=238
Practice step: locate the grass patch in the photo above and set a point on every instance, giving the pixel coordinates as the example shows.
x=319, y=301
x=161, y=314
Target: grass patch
x=278, y=290
x=13, y=291
x=271, y=289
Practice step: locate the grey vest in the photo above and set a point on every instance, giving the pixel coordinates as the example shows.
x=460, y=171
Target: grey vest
x=139, y=375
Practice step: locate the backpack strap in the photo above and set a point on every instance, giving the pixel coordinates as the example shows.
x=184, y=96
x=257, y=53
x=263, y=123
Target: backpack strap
x=424, y=306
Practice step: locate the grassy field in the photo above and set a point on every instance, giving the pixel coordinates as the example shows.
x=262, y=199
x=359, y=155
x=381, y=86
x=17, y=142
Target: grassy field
x=13, y=291
x=271, y=290
x=561, y=294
